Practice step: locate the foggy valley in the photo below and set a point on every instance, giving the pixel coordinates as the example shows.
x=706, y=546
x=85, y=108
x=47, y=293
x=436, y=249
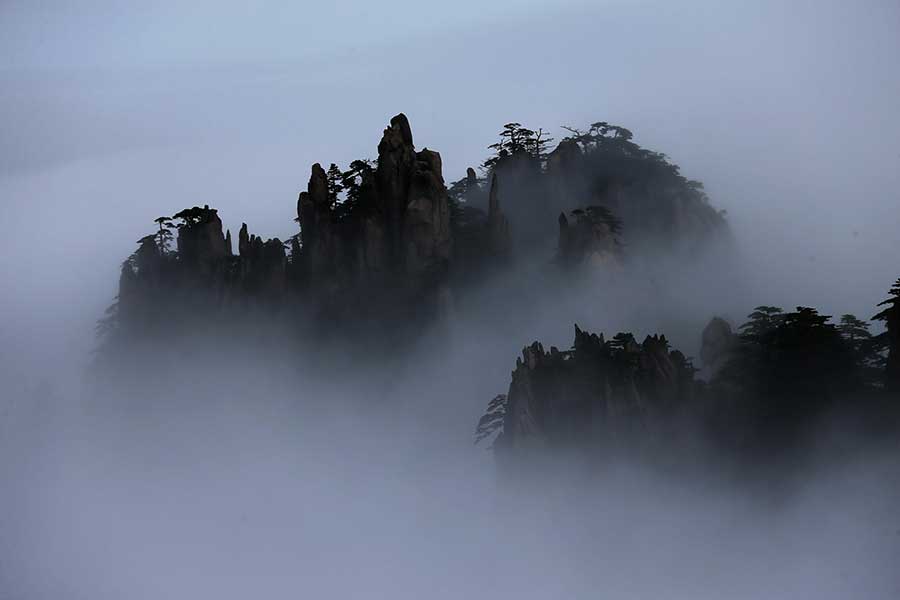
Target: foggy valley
x=521, y=300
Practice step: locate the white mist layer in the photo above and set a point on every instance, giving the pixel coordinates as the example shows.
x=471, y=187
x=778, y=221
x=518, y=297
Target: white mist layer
x=235, y=488
x=257, y=482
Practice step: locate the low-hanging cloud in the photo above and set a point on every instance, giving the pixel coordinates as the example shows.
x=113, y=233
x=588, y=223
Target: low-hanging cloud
x=256, y=473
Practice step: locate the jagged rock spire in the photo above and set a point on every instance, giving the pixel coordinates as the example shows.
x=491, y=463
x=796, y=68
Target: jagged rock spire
x=314, y=212
x=396, y=163
x=243, y=240
x=471, y=177
x=200, y=239
x=318, y=187
x=413, y=201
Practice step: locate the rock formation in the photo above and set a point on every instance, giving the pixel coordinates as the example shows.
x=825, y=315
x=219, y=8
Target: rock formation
x=426, y=216
x=200, y=238
x=590, y=237
x=786, y=375
x=718, y=343
x=402, y=222
x=497, y=225
x=262, y=269
x=602, y=166
x=592, y=393
x=387, y=241
x=314, y=213
x=385, y=249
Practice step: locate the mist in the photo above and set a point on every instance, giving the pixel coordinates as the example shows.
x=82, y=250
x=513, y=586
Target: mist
x=246, y=465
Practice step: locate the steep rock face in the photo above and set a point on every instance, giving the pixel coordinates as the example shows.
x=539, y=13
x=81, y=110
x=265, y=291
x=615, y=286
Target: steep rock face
x=200, y=238
x=527, y=196
x=589, y=236
x=262, y=269
x=567, y=174
x=142, y=284
x=314, y=213
x=380, y=252
x=243, y=240
x=471, y=178
x=591, y=394
x=162, y=291
x=396, y=164
x=426, y=216
x=399, y=225
x=413, y=200
x=497, y=224
x=718, y=343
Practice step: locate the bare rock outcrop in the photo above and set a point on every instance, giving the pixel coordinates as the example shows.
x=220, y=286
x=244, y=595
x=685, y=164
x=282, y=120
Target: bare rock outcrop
x=200, y=237
x=497, y=224
x=261, y=270
x=314, y=213
x=718, y=343
x=399, y=224
x=589, y=236
x=426, y=217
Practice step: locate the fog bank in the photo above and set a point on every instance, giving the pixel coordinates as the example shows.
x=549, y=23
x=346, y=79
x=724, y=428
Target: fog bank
x=257, y=474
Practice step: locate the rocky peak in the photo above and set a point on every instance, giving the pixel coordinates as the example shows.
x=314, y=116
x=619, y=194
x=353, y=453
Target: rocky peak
x=718, y=342
x=426, y=216
x=318, y=187
x=314, y=213
x=396, y=163
x=200, y=237
x=243, y=241
x=471, y=178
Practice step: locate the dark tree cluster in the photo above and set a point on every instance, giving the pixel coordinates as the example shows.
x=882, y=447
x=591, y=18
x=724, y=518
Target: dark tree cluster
x=599, y=166
x=585, y=396
x=784, y=374
x=375, y=243
x=516, y=141
x=890, y=339
x=385, y=241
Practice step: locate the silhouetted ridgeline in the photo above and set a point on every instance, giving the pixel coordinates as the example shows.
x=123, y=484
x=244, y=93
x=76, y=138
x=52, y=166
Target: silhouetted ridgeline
x=385, y=241
x=598, y=389
x=781, y=378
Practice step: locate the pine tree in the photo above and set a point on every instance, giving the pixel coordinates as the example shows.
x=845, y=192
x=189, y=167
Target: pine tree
x=163, y=237
x=517, y=140
x=334, y=178
x=352, y=181
x=854, y=330
x=492, y=420
x=891, y=337
x=762, y=321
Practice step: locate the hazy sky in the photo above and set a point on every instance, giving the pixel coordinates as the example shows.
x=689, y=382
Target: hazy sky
x=113, y=114
x=120, y=34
